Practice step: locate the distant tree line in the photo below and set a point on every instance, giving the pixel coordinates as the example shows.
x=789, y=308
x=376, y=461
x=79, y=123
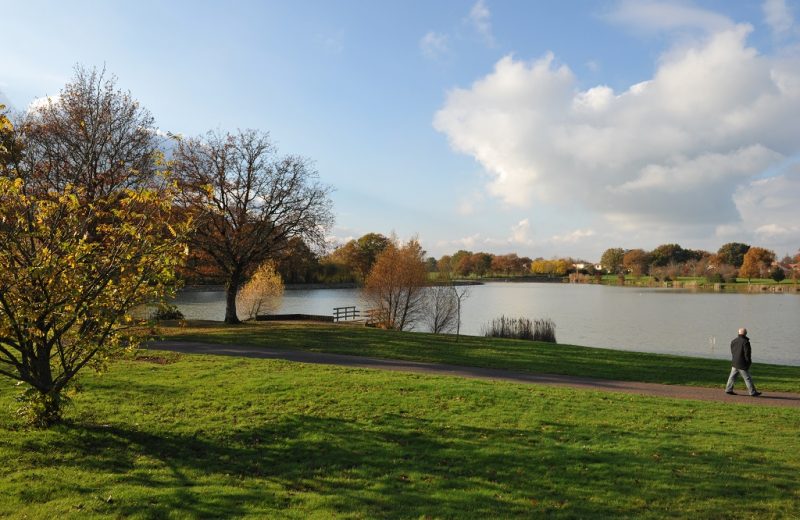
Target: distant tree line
x=732, y=260
x=352, y=261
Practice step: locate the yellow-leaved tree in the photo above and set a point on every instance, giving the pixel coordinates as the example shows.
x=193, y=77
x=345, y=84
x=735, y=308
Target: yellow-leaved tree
x=88, y=231
x=262, y=293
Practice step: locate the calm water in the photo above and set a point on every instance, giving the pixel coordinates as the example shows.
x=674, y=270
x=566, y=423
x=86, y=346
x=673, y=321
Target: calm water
x=647, y=320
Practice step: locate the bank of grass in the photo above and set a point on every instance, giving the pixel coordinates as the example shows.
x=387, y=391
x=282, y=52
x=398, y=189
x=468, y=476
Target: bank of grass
x=475, y=351
x=694, y=281
x=222, y=437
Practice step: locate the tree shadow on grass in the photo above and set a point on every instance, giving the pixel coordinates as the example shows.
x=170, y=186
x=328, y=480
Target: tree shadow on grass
x=398, y=466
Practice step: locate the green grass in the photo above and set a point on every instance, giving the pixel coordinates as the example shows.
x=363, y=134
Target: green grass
x=213, y=437
x=485, y=352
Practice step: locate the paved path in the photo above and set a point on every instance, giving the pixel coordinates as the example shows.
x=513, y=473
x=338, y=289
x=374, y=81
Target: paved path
x=632, y=387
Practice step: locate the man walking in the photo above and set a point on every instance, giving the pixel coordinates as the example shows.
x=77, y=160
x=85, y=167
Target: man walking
x=741, y=361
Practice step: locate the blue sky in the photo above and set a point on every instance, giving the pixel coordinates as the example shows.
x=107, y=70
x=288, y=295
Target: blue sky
x=542, y=128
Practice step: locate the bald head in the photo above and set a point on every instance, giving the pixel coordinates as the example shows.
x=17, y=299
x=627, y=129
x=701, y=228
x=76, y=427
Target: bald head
x=743, y=331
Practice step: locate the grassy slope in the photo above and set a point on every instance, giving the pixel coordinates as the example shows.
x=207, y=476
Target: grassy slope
x=484, y=352
x=209, y=437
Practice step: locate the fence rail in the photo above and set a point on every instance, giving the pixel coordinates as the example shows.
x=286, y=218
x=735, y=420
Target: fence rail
x=353, y=314
x=346, y=313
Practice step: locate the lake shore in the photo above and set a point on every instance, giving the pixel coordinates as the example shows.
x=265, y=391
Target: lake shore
x=657, y=320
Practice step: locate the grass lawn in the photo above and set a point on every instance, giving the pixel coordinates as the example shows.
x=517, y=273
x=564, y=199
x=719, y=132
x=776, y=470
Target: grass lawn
x=211, y=437
x=485, y=352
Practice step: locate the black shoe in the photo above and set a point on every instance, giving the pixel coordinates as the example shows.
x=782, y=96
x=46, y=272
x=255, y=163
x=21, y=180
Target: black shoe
x=730, y=392
x=755, y=394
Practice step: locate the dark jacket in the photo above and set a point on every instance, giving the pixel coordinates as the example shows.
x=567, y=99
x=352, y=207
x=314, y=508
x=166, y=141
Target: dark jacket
x=740, y=352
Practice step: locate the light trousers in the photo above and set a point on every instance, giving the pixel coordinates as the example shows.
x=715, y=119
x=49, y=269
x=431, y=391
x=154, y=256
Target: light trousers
x=748, y=381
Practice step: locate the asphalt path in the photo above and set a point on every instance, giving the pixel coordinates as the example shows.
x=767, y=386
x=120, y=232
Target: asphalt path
x=783, y=399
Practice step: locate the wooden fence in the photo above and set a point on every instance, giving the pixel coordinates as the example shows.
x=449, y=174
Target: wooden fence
x=352, y=314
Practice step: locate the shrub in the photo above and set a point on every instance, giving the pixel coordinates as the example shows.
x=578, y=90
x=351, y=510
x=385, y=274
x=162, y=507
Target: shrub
x=521, y=328
x=262, y=293
x=777, y=274
x=166, y=311
x=544, y=330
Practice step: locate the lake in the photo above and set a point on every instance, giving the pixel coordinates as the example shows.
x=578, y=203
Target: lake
x=668, y=321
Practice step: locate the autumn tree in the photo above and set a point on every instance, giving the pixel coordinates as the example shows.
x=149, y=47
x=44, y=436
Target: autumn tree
x=359, y=255
x=298, y=263
x=369, y=247
x=431, y=265
x=262, y=293
x=481, y=263
x=395, y=286
x=461, y=263
x=9, y=142
x=554, y=267
x=636, y=261
x=510, y=264
x=612, y=259
x=87, y=232
x=248, y=203
x=667, y=254
x=733, y=253
x=445, y=264
x=92, y=135
x=756, y=263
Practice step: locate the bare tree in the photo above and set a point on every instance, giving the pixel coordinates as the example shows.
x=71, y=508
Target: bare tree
x=461, y=294
x=247, y=203
x=442, y=310
x=441, y=306
x=91, y=135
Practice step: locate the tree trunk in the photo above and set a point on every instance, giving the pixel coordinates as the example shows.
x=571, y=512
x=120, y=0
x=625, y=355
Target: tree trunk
x=231, y=290
x=458, y=315
x=48, y=409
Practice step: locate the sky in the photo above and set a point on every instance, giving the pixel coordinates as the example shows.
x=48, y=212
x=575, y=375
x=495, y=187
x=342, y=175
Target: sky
x=547, y=129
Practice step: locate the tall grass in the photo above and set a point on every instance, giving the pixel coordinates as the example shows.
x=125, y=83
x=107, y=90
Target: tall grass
x=521, y=328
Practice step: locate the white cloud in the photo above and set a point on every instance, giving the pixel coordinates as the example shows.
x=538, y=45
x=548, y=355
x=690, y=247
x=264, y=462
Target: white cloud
x=42, y=102
x=661, y=159
x=434, y=45
x=467, y=243
x=470, y=204
x=519, y=236
x=481, y=19
x=778, y=16
x=666, y=16
x=519, y=232
x=573, y=237
x=769, y=210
